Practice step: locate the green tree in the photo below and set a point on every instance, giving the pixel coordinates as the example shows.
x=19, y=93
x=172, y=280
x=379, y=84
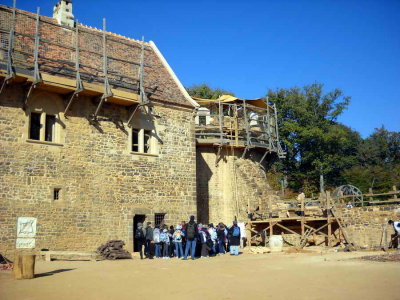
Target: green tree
x=381, y=148
x=316, y=143
x=206, y=92
x=379, y=162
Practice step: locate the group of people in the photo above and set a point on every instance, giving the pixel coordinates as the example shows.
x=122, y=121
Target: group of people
x=187, y=238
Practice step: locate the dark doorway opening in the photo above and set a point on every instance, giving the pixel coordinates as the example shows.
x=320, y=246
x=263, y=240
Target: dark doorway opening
x=137, y=219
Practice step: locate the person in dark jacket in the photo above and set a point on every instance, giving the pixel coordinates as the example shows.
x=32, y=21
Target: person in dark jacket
x=221, y=235
x=140, y=238
x=191, y=235
x=204, y=240
x=234, y=238
x=148, y=251
x=171, y=241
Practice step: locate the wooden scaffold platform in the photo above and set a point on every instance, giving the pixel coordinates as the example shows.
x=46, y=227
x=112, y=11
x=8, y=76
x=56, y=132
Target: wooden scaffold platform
x=328, y=226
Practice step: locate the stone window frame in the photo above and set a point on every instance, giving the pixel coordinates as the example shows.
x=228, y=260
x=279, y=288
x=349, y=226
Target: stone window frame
x=46, y=104
x=151, y=144
x=43, y=127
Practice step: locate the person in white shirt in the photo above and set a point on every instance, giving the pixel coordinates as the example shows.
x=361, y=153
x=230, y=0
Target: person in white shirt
x=396, y=236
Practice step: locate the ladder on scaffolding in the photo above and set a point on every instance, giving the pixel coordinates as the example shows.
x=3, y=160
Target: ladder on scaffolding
x=339, y=219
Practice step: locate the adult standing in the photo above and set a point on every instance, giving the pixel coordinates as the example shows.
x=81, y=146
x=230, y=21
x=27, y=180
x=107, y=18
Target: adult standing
x=396, y=236
x=242, y=227
x=234, y=238
x=140, y=237
x=221, y=238
x=191, y=238
x=148, y=251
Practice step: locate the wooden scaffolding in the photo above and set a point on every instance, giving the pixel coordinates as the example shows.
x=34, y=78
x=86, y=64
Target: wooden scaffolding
x=329, y=224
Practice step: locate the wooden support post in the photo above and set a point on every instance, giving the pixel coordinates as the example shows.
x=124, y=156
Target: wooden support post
x=271, y=229
x=395, y=192
x=248, y=234
x=340, y=198
x=328, y=212
x=302, y=217
x=370, y=192
x=269, y=207
x=236, y=124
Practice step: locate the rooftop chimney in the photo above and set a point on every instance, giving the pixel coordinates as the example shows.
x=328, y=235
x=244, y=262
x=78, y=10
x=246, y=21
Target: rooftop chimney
x=62, y=12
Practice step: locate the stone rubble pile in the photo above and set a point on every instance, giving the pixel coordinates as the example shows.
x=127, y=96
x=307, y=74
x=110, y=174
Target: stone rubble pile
x=257, y=250
x=113, y=250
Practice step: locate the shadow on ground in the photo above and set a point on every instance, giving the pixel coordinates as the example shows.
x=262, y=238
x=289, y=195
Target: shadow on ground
x=52, y=272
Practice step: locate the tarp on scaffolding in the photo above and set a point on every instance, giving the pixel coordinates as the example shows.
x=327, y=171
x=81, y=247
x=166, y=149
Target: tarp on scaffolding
x=230, y=99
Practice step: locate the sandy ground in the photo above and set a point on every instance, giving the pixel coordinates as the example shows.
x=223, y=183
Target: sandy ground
x=314, y=275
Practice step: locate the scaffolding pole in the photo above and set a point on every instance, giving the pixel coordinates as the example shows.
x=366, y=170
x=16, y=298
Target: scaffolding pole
x=247, y=129
x=36, y=72
x=107, y=89
x=143, y=98
x=10, y=68
x=279, y=150
x=79, y=84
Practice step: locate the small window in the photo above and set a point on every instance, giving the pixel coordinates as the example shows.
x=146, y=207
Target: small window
x=202, y=120
x=50, y=128
x=42, y=127
x=159, y=219
x=135, y=140
x=56, y=194
x=142, y=141
x=34, y=129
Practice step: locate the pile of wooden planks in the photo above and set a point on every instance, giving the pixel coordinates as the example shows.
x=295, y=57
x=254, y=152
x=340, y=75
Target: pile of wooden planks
x=5, y=264
x=113, y=250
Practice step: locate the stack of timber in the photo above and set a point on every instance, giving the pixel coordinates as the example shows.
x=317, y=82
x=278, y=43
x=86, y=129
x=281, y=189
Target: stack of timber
x=113, y=250
x=5, y=264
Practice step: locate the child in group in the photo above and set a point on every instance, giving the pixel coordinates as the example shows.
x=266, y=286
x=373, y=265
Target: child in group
x=204, y=238
x=213, y=236
x=164, y=239
x=177, y=237
x=156, y=239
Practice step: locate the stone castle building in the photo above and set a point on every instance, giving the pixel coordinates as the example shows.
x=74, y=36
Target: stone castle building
x=98, y=134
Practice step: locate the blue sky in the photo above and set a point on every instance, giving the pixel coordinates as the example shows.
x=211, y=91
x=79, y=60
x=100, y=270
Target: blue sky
x=251, y=46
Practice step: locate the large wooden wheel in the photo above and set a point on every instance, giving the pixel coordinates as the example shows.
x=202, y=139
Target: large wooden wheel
x=354, y=193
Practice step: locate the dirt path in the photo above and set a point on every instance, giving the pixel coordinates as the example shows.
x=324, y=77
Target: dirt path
x=268, y=276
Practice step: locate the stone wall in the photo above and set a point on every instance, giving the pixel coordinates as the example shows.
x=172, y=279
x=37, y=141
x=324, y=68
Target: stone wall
x=365, y=223
x=103, y=184
x=225, y=189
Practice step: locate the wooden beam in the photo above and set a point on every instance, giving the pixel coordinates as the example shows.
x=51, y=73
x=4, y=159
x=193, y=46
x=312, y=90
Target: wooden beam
x=271, y=229
x=328, y=208
x=302, y=216
x=66, y=86
x=284, y=227
x=319, y=232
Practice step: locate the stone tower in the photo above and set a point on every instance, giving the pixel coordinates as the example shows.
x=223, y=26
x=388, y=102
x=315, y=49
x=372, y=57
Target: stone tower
x=62, y=12
x=235, y=139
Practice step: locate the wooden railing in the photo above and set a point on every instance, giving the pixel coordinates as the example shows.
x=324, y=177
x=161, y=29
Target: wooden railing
x=371, y=199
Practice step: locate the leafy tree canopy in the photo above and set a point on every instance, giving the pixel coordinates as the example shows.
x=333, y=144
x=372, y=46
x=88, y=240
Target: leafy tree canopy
x=316, y=143
x=378, y=162
x=206, y=92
